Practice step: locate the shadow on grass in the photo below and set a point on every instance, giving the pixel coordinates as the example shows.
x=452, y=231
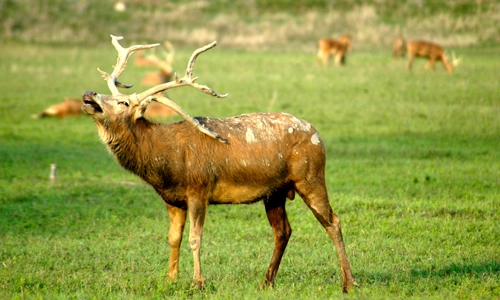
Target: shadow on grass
x=451, y=270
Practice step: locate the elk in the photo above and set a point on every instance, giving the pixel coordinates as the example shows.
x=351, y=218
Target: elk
x=338, y=48
x=432, y=52
x=165, y=65
x=200, y=161
x=398, y=47
x=69, y=107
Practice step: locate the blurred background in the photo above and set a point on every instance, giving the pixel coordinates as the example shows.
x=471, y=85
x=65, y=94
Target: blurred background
x=256, y=24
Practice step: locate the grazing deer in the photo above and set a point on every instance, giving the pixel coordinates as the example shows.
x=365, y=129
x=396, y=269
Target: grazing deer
x=165, y=65
x=69, y=107
x=398, y=47
x=338, y=48
x=432, y=52
x=202, y=161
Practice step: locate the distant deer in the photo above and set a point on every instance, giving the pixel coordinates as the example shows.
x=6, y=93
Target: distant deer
x=337, y=48
x=432, y=52
x=166, y=69
x=202, y=161
x=398, y=47
x=69, y=107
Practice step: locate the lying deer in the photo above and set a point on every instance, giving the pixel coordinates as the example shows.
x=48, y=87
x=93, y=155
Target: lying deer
x=432, y=52
x=69, y=107
x=337, y=48
x=202, y=161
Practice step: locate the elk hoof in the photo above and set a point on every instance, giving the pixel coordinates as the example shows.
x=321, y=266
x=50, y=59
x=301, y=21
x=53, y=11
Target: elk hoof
x=350, y=286
x=266, y=285
x=199, y=285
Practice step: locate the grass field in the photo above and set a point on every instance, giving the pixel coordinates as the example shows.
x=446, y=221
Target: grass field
x=413, y=171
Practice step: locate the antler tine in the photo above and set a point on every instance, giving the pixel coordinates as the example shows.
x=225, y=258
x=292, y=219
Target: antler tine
x=186, y=80
x=192, y=60
x=121, y=63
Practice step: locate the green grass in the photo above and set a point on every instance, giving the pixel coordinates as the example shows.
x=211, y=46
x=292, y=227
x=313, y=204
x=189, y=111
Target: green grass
x=413, y=171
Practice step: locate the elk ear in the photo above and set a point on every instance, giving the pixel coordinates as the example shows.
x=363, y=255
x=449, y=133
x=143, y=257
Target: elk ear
x=141, y=109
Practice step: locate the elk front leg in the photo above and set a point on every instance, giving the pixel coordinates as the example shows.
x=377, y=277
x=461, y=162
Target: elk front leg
x=177, y=221
x=276, y=214
x=197, y=212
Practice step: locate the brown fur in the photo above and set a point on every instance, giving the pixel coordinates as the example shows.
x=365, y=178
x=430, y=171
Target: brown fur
x=431, y=51
x=157, y=110
x=268, y=157
x=337, y=48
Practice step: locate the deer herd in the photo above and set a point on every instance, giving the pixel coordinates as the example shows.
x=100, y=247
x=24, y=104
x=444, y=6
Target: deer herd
x=200, y=161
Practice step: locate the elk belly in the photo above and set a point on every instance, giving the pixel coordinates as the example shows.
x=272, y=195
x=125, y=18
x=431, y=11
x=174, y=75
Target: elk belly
x=233, y=193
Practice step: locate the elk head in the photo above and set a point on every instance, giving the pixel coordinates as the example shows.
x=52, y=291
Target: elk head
x=398, y=47
x=107, y=109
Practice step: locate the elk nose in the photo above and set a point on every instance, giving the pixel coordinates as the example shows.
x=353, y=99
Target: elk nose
x=88, y=95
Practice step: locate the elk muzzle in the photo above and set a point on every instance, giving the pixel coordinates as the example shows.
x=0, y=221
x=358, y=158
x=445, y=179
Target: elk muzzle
x=90, y=106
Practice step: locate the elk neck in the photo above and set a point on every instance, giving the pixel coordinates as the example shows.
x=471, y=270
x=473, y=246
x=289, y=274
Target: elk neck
x=139, y=144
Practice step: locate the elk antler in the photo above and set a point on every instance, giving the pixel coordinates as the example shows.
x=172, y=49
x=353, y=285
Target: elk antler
x=121, y=62
x=186, y=80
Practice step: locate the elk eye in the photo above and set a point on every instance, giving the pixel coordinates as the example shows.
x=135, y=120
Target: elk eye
x=123, y=102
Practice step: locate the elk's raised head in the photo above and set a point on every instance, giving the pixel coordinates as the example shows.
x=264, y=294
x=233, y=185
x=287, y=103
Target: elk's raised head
x=108, y=109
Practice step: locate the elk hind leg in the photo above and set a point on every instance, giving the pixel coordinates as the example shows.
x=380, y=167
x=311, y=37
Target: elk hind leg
x=316, y=198
x=276, y=214
x=177, y=218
